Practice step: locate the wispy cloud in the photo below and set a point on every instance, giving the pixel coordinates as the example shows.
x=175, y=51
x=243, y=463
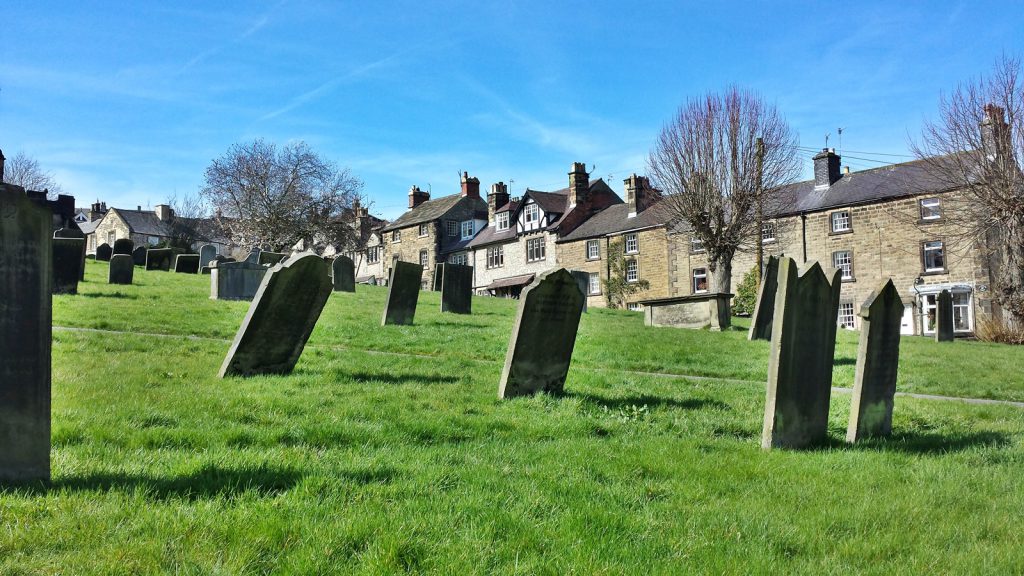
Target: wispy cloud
x=260, y=23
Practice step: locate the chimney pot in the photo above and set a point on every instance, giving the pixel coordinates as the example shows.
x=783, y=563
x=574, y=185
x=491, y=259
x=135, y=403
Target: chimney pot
x=470, y=186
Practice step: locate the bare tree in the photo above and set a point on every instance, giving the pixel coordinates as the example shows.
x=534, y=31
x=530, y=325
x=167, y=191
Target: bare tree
x=271, y=197
x=189, y=223
x=24, y=171
x=724, y=160
x=975, y=148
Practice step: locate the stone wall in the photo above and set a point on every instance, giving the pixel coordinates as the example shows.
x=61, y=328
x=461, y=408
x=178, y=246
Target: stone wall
x=653, y=259
x=411, y=244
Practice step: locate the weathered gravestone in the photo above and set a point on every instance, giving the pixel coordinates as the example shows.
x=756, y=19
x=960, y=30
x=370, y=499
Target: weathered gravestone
x=186, y=264
x=123, y=246
x=343, y=270
x=67, y=264
x=878, y=355
x=764, y=308
x=207, y=253
x=73, y=233
x=543, y=336
x=25, y=324
x=280, y=318
x=437, y=280
x=218, y=259
x=235, y=280
x=253, y=257
x=122, y=269
x=104, y=252
x=139, y=256
x=159, y=259
x=944, y=317
x=403, y=293
x=800, y=362
x=457, y=289
x=583, y=279
x=271, y=258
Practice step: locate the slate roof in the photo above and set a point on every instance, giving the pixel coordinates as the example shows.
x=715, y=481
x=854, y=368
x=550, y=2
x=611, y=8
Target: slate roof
x=88, y=227
x=614, y=219
x=490, y=235
x=428, y=211
x=144, y=222
x=556, y=202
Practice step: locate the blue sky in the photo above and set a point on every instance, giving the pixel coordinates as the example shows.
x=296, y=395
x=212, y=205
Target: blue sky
x=129, y=102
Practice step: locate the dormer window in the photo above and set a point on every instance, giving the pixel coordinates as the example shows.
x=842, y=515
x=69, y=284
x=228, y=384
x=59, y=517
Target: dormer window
x=930, y=209
x=502, y=219
x=531, y=214
x=467, y=229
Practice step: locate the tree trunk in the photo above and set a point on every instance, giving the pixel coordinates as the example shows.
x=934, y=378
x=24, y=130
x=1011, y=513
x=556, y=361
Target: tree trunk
x=722, y=276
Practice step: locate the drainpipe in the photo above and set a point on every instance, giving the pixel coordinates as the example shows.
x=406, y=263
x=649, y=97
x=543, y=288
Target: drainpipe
x=803, y=233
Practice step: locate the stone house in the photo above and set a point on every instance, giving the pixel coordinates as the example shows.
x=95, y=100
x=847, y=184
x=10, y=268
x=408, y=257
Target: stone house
x=149, y=228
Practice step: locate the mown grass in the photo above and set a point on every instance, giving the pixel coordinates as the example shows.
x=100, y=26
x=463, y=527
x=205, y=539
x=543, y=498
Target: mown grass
x=387, y=452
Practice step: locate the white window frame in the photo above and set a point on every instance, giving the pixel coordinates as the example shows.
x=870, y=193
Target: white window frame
x=593, y=249
x=459, y=258
x=632, y=270
x=846, y=317
x=531, y=214
x=767, y=232
x=468, y=228
x=699, y=274
x=931, y=209
x=396, y=236
x=424, y=229
x=632, y=244
x=111, y=237
x=696, y=246
x=502, y=220
x=536, y=249
x=840, y=221
x=843, y=260
x=424, y=258
x=940, y=248
x=963, y=308
x=495, y=256
x=594, y=283
x=373, y=254
x=635, y=307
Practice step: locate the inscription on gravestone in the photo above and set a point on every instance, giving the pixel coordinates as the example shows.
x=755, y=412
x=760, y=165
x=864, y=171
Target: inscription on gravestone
x=764, y=308
x=104, y=252
x=343, y=271
x=944, y=317
x=403, y=293
x=878, y=355
x=186, y=264
x=159, y=259
x=457, y=289
x=122, y=269
x=123, y=246
x=67, y=264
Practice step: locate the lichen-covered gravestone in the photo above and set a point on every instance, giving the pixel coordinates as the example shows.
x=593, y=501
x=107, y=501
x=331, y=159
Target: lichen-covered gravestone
x=186, y=264
x=280, y=318
x=235, y=280
x=122, y=269
x=543, y=336
x=878, y=355
x=159, y=259
x=800, y=361
x=944, y=317
x=271, y=258
x=457, y=289
x=67, y=264
x=104, y=252
x=343, y=270
x=25, y=324
x=207, y=253
x=123, y=246
x=403, y=293
x=764, y=308
x=139, y=256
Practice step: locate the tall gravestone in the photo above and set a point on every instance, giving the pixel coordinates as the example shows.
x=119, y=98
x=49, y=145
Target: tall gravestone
x=457, y=289
x=543, y=337
x=104, y=252
x=139, y=256
x=764, y=308
x=67, y=264
x=159, y=259
x=271, y=258
x=437, y=280
x=343, y=270
x=802, y=351
x=583, y=279
x=280, y=318
x=25, y=325
x=403, y=293
x=186, y=264
x=73, y=233
x=878, y=354
x=207, y=253
x=123, y=246
x=235, y=280
x=122, y=269
x=944, y=317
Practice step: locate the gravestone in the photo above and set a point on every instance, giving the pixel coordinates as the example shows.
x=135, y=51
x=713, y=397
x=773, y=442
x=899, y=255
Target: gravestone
x=73, y=233
x=25, y=332
x=403, y=293
x=123, y=246
x=457, y=289
x=207, y=253
x=104, y=252
x=159, y=259
x=543, y=337
x=271, y=258
x=280, y=318
x=122, y=269
x=343, y=270
x=186, y=264
x=800, y=361
x=139, y=256
x=583, y=279
x=437, y=280
x=253, y=257
x=944, y=317
x=235, y=280
x=67, y=264
x=764, y=308
x=878, y=355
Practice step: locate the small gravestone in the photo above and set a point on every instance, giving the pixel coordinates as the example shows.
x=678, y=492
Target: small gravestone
x=73, y=233
x=543, y=337
x=878, y=355
x=437, y=280
x=271, y=258
x=139, y=256
x=104, y=252
x=122, y=269
x=457, y=289
x=253, y=257
x=186, y=264
x=280, y=318
x=344, y=272
x=403, y=293
x=764, y=308
x=159, y=259
x=123, y=246
x=67, y=264
x=583, y=279
x=944, y=317
x=207, y=253
x=235, y=280
x=800, y=361
x=25, y=336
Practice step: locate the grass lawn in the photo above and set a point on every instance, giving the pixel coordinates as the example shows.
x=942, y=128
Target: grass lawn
x=387, y=451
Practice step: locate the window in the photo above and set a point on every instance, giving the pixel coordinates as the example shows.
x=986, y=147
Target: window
x=153, y=240
x=502, y=220
x=111, y=237
x=846, y=315
x=535, y=249
x=458, y=259
x=594, y=283
x=768, y=232
x=930, y=209
x=934, y=256
x=632, y=245
x=531, y=213
x=844, y=261
x=424, y=258
x=92, y=241
x=841, y=221
x=467, y=229
x=593, y=249
x=451, y=228
x=495, y=256
x=700, y=280
x=424, y=229
x=373, y=254
x=696, y=245
x=396, y=236
x=632, y=271
x=635, y=307
x=961, y=311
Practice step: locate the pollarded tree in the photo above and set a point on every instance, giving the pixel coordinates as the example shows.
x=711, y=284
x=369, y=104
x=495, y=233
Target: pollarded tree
x=24, y=171
x=275, y=197
x=722, y=161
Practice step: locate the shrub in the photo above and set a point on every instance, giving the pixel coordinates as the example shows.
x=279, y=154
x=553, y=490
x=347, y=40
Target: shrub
x=991, y=330
x=746, y=295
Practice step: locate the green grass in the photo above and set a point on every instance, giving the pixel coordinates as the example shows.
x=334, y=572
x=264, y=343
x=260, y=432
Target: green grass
x=386, y=451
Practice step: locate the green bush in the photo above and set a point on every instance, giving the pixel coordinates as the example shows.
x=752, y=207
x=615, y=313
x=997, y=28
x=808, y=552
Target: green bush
x=746, y=295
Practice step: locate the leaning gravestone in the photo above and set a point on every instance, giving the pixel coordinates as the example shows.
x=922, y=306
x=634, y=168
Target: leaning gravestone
x=403, y=292
x=207, y=253
x=123, y=246
x=457, y=289
x=280, y=318
x=878, y=355
x=800, y=362
x=583, y=279
x=437, y=280
x=186, y=264
x=764, y=308
x=139, y=256
x=944, y=317
x=159, y=259
x=343, y=270
x=543, y=336
x=271, y=258
x=67, y=264
x=25, y=325
x=104, y=252
x=122, y=269
x=235, y=280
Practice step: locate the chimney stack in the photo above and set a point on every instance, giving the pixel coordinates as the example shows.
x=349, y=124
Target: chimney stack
x=579, y=185
x=995, y=133
x=470, y=186
x=417, y=196
x=826, y=169
x=639, y=194
x=164, y=212
x=497, y=198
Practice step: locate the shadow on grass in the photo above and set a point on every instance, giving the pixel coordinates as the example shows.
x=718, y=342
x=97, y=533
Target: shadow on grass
x=911, y=442
x=844, y=362
x=446, y=324
x=393, y=378
x=651, y=401
x=119, y=295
